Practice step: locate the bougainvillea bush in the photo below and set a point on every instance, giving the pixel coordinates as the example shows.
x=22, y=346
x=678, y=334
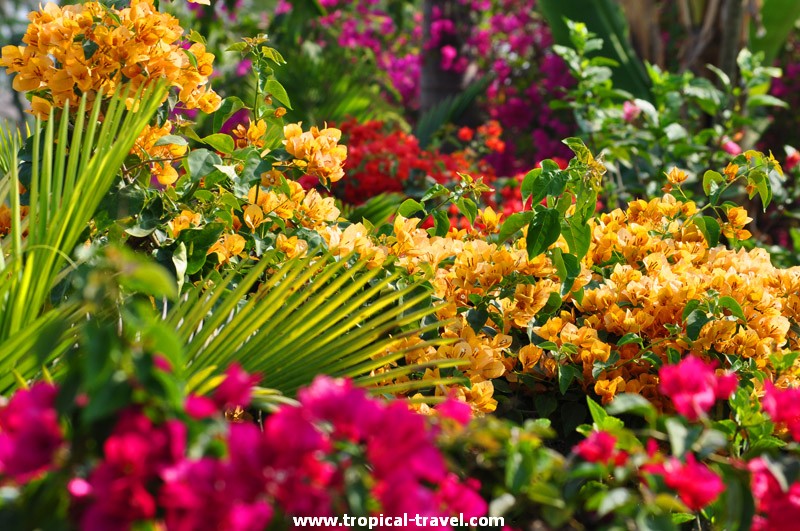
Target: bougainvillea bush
x=195, y=332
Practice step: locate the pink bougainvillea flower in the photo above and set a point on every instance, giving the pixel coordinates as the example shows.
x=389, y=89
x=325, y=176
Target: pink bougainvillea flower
x=135, y=454
x=455, y=409
x=778, y=509
x=30, y=434
x=200, y=407
x=600, y=447
x=783, y=407
x=236, y=389
x=731, y=147
x=694, y=386
x=696, y=484
x=349, y=409
x=630, y=111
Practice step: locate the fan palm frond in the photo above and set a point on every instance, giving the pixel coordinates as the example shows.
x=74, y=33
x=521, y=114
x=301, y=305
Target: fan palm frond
x=71, y=171
x=311, y=316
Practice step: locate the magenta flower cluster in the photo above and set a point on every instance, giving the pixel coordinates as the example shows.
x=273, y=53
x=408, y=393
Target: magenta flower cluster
x=299, y=463
x=30, y=433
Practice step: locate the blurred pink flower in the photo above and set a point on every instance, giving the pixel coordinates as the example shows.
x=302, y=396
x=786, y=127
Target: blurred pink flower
x=731, y=147
x=598, y=447
x=694, y=386
x=236, y=388
x=696, y=484
x=30, y=434
x=783, y=406
x=630, y=111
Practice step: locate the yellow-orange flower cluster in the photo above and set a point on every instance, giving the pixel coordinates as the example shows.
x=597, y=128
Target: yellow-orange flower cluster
x=253, y=135
x=317, y=152
x=161, y=156
x=88, y=47
x=643, y=267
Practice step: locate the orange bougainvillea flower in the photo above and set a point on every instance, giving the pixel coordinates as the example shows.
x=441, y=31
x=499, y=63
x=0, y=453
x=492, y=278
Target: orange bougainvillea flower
x=88, y=47
x=318, y=152
x=252, y=136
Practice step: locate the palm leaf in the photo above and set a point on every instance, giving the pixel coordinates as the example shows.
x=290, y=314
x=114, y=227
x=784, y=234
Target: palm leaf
x=376, y=210
x=606, y=19
x=311, y=316
x=71, y=171
x=778, y=20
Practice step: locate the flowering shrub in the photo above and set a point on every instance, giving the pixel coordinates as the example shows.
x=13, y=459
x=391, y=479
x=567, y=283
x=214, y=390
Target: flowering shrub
x=158, y=464
x=625, y=369
x=88, y=48
x=385, y=160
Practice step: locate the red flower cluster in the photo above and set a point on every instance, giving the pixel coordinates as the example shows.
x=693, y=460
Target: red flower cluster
x=383, y=160
x=694, y=386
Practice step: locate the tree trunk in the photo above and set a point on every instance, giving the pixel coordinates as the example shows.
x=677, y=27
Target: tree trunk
x=436, y=83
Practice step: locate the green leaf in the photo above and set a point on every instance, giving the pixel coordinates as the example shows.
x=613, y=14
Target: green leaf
x=201, y=162
x=278, y=92
x=530, y=187
x=512, y=224
x=552, y=305
x=766, y=100
x=567, y=267
x=519, y=469
x=778, y=18
x=198, y=242
x=221, y=142
x=695, y=322
x=566, y=374
x=654, y=522
x=760, y=180
x=629, y=338
x=468, y=208
x=738, y=506
x=545, y=404
x=547, y=181
x=630, y=403
x=691, y=306
x=543, y=231
x=195, y=36
x=237, y=47
x=710, y=229
x=678, y=437
x=731, y=304
x=441, y=223
x=273, y=55
x=171, y=139
x=612, y=500
x=192, y=58
x=476, y=318
x=409, y=207
x=597, y=412
x=712, y=181
x=578, y=236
